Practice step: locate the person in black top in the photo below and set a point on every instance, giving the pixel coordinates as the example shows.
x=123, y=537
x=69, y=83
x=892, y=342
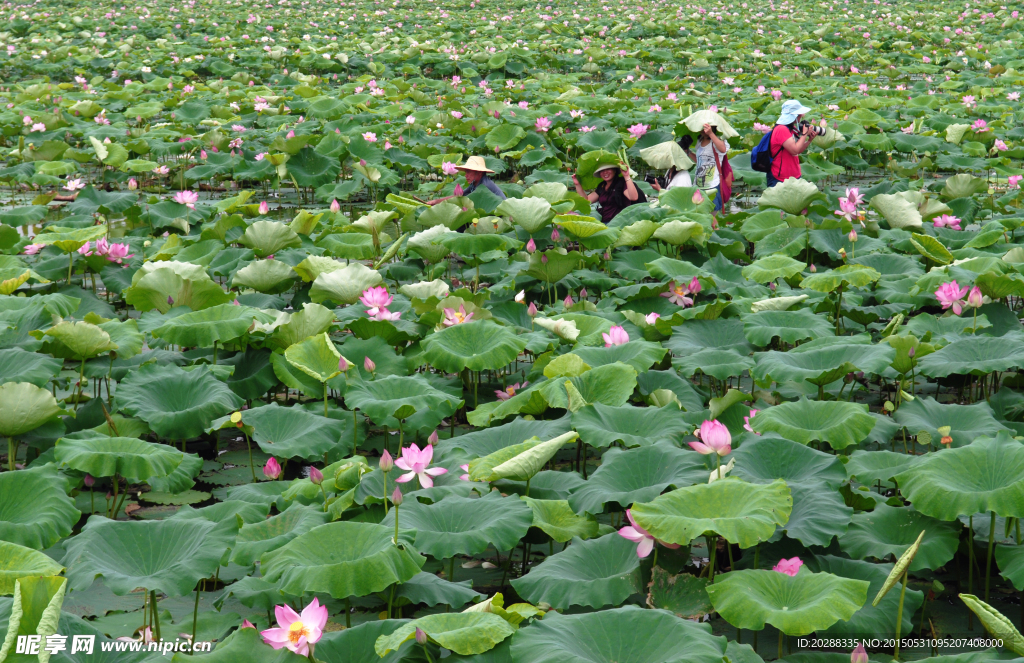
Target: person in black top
x=615, y=193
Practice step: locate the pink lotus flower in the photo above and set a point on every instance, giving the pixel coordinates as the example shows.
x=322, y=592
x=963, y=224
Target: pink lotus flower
x=272, y=470
x=789, y=566
x=950, y=296
x=369, y=364
x=453, y=317
x=979, y=126
x=847, y=210
x=531, y=246
x=542, y=124
x=133, y=184
x=716, y=439
x=1013, y=96
x=746, y=422
x=568, y=302
x=776, y=94
x=639, y=535
x=186, y=198
x=118, y=252
x=651, y=318
x=74, y=185
x=1013, y=181
x=531, y=310
x=370, y=137
x=448, y=168
x=975, y=298
x=33, y=249
x=374, y=299
x=335, y=206
x=509, y=391
x=415, y=463
x=84, y=250
x=464, y=477
x=763, y=128
x=947, y=221
x=1000, y=146
x=678, y=293
x=615, y=336
x=638, y=130
x=247, y=624
x=297, y=632
x=697, y=197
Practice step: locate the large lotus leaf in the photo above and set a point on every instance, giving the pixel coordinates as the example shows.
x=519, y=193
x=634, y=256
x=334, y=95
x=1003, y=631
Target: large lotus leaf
x=792, y=195
x=313, y=266
x=164, y=285
x=579, y=225
x=975, y=356
x=268, y=237
x=796, y=605
x=518, y=462
x=719, y=364
x=34, y=509
x=666, y=155
x=695, y=123
x=463, y=526
x=595, y=573
x=125, y=334
x=897, y=211
x=602, y=425
x=963, y=185
x=819, y=514
x=267, y=276
x=636, y=234
x=556, y=519
x=984, y=476
x=344, y=285
x=295, y=433
x=622, y=635
x=856, y=276
x=890, y=530
x=641, y=355
x=312, y=320
x=1010, y=559
x=823, y=361
x=380, y=399
x=81, y=340
x=103, y=456
x=18, y=562
x=488, y=440
x=34, y=610
x=531, y=214
x=867, y=467
x=71, y=240
x=310, y=169
x=316, y=356
x=265, y=535
x=25, y=407
x=788, y=326
x=771, y=268
x=202, y=329
x=423, y=243
x=478, y=346
x=696, y=335
x=637, y=475
x=678, y=232
x=837, y=422
x=168, y=556
x=177, y=404
x=740, y=512
x=244, y=644
x=427, y=588
x=931, y=248
x=465, y=244
x=765, y=459
x=355, y=645
x=553, y=265
x=965, y=422
x=465, y=633
x=342, y=559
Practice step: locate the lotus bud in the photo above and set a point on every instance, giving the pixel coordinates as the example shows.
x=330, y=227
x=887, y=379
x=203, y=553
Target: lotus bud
x=859, y=655
x=396, y=497
x=315, y=476
x=771, y=286
x=362, y=162
x=343, y=364
x=974, y=298
x=89, y=481
x=531, y=310
x=432, y=439
x=814, y=270
x=202, y=154
x=697, y=197
x=848, y=378
x=133, y=184
x=247, y=624
x=458, y=190
x=170, y=300
x=421, y=636
x=607, y=256
x=853, y=235
x=335, y=207
x=531, y=246
x=911, y=352
x=544, y=259
x=264, y=207
x=272, y=470
x=583, y=293
x=555, y=236
x=387, y=463
x=369, y=365
x=568, y=301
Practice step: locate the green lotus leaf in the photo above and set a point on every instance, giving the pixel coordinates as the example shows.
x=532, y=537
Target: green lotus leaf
x=164, y=285
x=17, y=562
x=355, y=645
x=310, y=169
x=504, y=137
x=121, y=456
x=719, y=364
x=984, y=476
x=897, y=211
x=796, y=605
x=168, y=556
x=478, y=346
x=666, y=155
x=244, y=644
x=637, y=475
x=823, y=361
x=269, y=237
x=425, y=243
x=312, y=320
x=556, y=268
x=595, y=573
x=35, y=510
x=380, y=399
x=856, y=276
x=447, y=215
x=678, y=232
x=177, y=404
x=463, y=526
x=71, y=240
x=892, y=530
x=295, y=433
x=966, y=422
x=683, y=595
x=762, y=327
x=25, y=407
x=621, y=635
x=263, y=536
x=464, y=633
x=344, y=285
x=641, y=355
x=740, y=512
x=80, y=340
x=267, y=276
x=579, y=225
x=975, y=356
x=556, y=519
x=427, y=588
x=636, y=234
x=205, y=328
x=125, y=335
x=771, y=268
x=317, y=357
x=342, y=559
x=793, y=196
x=963, y=185
x=518, y=462
x=313, y=266
x=531, y=214
x=465, y=244
x=34, y=610
x=871, y=466
x=602, y=425
x=836, y=422
x=766, y=459
x=931, y=248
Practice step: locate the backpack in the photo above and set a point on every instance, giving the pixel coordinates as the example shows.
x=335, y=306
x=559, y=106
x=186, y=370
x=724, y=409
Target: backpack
x=761, y=157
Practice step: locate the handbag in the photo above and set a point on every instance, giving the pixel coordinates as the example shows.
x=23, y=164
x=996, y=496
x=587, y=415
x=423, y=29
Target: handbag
x=726, y=176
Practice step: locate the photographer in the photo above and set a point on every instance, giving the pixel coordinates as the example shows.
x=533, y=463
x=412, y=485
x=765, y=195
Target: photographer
x=676, y=176
x=791, y=136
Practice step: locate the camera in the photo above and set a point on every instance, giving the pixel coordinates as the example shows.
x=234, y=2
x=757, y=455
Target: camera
x=814, y=129
x=652, y=179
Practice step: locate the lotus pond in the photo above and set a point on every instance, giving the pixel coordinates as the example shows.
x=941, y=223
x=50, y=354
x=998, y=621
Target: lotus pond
x=255, y=391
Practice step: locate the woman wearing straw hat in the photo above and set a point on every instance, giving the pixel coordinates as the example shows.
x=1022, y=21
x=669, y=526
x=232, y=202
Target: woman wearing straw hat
x=616, y=191
x=474, y=170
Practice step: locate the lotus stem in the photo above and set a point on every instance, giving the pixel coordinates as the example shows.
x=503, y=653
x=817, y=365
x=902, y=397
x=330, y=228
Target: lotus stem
x=386, y=495
x=252, y=467
x=355, y=441
x=396, y=525
x=71, y=263
x=780, y=644
x=970, y=569
x=81, y=376
x=324, y=493
x=195, y=612
x=113, y=511
x=654, y=562
x=348, y=613
x=325, y=399
x=391, y=600
x=451, y=569
x=156, y=614
x=899, y=617
x=988, y=556
x=527, y=487
x=92, y=501
x=12, y=453
x=427, y=653
x=711, y=557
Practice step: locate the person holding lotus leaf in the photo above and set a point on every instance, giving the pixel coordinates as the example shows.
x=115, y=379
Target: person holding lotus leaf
x=475, y=171
x=615, y=192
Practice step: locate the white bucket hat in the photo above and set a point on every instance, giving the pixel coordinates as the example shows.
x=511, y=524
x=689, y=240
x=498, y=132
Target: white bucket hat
x=791, y=109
